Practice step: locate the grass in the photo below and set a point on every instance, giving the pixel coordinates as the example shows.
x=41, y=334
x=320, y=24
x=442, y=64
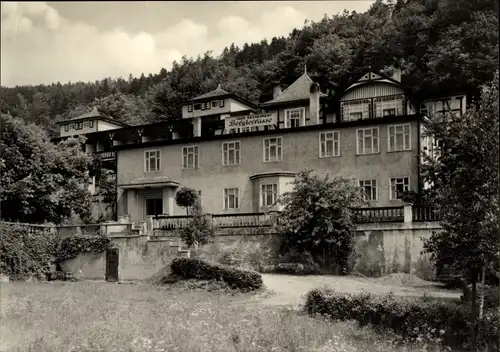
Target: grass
x=98, y=316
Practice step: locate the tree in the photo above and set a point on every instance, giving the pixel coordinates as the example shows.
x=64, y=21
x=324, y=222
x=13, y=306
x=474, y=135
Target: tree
x=186, y=198
x=317, y=217
x=465, y=179
x=199, y=230
x=41, y=182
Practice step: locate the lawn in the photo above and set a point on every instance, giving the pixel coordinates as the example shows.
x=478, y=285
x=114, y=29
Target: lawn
x=99, y=316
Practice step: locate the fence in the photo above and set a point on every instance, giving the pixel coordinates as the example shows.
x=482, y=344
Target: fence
x=408, y=213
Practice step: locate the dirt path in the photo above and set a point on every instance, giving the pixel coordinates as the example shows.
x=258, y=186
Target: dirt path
x=289, y=290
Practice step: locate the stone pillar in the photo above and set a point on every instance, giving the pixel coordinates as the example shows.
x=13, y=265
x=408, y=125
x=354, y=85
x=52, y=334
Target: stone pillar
x=132, y=205
x=196, y=127
x=408, y=213
x=121, y=202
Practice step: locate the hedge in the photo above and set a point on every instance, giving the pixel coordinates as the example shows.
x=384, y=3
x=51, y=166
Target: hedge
x=446, y=323
x=192, y=268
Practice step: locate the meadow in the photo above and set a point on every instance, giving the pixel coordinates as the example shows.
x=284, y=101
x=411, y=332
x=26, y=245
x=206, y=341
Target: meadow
x=100, y=316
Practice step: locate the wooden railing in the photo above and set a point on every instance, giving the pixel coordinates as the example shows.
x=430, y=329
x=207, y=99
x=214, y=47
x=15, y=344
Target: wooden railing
x=425, y=213
x=165, y=222
x=381, y=214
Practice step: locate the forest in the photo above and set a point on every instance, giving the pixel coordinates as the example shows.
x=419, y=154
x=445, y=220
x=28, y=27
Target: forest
x=442, y=47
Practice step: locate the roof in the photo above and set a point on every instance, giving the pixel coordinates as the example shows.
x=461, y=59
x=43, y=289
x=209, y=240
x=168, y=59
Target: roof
x=369, y=76
x=298, y=90
x=217, y=92
x=94, y=113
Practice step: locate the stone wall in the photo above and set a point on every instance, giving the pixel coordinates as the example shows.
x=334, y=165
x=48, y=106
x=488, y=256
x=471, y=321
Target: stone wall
x=381, y=249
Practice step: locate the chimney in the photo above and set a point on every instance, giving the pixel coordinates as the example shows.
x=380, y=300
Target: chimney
x=396, y=73
x=314, y=106
x=276, y=91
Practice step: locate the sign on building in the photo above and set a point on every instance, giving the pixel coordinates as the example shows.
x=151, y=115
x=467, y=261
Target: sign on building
x=257, y=120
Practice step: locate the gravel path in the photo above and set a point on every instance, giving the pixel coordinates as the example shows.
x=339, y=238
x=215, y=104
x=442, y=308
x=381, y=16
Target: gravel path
x=289, y=289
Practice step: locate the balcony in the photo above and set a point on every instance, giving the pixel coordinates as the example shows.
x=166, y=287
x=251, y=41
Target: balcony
x=371, y=108
x=106, y=156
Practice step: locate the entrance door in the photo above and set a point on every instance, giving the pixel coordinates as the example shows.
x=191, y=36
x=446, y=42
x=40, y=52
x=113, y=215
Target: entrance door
x=154, y=206
x=112, y=260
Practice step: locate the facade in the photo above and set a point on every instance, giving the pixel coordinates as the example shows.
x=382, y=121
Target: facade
x=374, y=139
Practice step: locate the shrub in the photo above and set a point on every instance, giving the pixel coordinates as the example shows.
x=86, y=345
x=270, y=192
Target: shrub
x=191, y=268
x=186, y=197
x=69, y=247
x=431, y=321
x=199, y=230
x=491, y=295
x=25, y=254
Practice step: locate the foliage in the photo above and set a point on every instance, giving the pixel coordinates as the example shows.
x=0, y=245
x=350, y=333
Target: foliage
x=200, y=229
x=186, y=197
x=69, y=247
x=41, y=181
x=25, y=254
x=413, y=320
x=491, y=294
x=465, y=182
x=443, y=47
x=199, y=269
x=317, y=217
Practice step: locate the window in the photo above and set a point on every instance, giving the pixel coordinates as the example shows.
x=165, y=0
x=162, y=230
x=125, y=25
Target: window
x=207, y=105
x=154, y=206
x=399, y=137
x=230, y=153
x=329, y=144
x=273, y=149
x=221, y=103
x=197, y=106
x=268, y=194
x=190, y=108
x=398, y=186
x=367, y=140
x=355, y=116
x=91, y=124
x=294, y=117
x=231, y=198
x=151, y=160
x=369, y=189
x=66, y=128
x=190, y=157
x=214, y=103
x=389, y=112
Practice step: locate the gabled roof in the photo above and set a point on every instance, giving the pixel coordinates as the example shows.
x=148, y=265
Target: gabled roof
x=217, y=92
x=221, y=93
x=370, y=76
x=298, y=90
x=94, y=114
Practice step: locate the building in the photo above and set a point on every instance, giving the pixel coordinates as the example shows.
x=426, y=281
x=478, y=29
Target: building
x=374, y=138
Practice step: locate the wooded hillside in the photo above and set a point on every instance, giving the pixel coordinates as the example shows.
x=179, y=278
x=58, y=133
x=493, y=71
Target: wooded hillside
x=444, y=46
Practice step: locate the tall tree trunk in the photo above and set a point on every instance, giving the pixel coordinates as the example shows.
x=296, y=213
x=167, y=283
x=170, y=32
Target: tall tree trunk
x=481, y=293
x=473, y=310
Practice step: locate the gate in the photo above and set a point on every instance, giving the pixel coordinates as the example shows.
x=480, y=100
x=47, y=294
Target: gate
x=112, y=260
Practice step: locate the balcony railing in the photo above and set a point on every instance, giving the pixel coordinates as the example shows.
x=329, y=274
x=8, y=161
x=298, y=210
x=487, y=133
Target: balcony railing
x=419, y=213
x=383, y=214
x=369, y=108
x=105, y=156
x=425, y=213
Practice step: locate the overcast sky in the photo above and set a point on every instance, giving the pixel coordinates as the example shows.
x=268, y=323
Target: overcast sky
x=71, y=41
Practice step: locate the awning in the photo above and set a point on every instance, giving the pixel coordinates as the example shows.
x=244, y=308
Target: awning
x=150, y=182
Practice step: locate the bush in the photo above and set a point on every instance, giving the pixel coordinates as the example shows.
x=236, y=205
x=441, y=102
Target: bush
x=199, y=230
x=431, y=321
x=25, y=254
x=491, y=295
x=191, y=268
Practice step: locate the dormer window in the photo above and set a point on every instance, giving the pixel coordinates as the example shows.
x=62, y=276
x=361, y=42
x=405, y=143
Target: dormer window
x=91, y=124
x=66, y=128
x=214, y=103
x=197, y=106
x=190, y=108
x=207, y=105
x=294, y=118
x=221, y=103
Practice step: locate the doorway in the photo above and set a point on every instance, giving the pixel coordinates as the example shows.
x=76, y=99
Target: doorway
x=154, y=206
x=112, y=261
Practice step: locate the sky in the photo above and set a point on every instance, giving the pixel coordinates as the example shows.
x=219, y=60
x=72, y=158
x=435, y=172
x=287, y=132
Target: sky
x=45, y=42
